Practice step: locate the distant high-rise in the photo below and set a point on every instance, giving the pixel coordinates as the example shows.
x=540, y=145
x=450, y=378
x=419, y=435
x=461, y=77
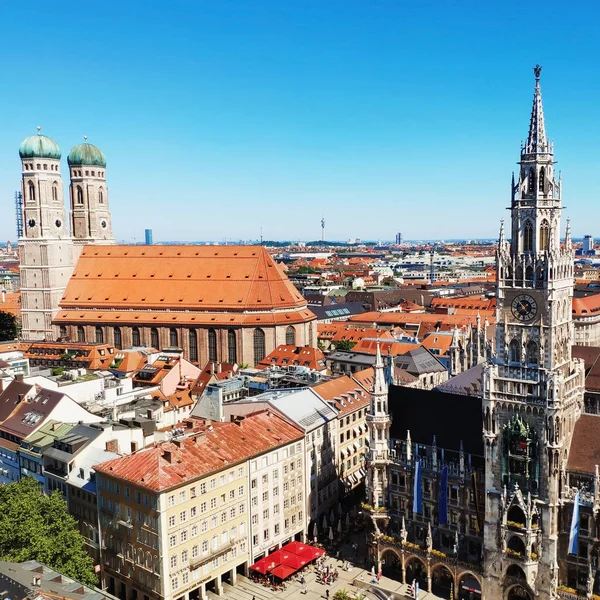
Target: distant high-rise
x=398, y=238
x=148, y=235
x=588, y=244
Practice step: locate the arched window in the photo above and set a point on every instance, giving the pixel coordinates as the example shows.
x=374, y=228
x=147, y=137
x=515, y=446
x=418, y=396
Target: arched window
x=79, y=195
x=259, y=345
x=31, y=189
x=528, y=237
x=212, y=344
x=290, y=336
x=544, y=235
x=542, y=179
x=118, y=338
x=99, y=335
x=232, y=346
x=101, y=196
x=531, y=182
x=80, y=333
x=173, y=338
x=62, y=331
x=532, y=353
x=154, y=338
x=55, y=191
x=514, y=355
x=135, y=337
x=193, y=344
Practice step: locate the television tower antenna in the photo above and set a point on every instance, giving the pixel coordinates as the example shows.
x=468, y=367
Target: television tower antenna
x=322, y=228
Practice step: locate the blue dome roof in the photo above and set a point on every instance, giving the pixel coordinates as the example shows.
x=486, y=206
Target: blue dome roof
x=86, y=154
x=39, y=146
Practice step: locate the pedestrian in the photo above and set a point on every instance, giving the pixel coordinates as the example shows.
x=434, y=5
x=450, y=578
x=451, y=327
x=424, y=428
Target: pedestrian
x=327, y=594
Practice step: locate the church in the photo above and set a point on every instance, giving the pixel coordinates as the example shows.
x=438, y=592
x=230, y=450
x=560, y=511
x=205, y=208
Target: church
x=231, y=304
x=498, y=497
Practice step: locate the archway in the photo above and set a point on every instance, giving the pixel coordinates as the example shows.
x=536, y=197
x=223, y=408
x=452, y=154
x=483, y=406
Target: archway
x=391, y=565
x=442, y=581
x=469, y=587
x=416, y=569
x=518, y=592
x=516, y=547
x=516, y=516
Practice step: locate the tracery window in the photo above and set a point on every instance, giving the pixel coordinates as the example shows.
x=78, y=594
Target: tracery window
x=544, y=235
x=118, y=338
x=232, y=346
x=290, y=336
x=173, y=338
x=528, y=237
x=259, y=345
x=79, y=192
x=193, y=345
x=154, y=338
x=99, y=335
x=135, y=336
x=31, y=189
x=212, y=345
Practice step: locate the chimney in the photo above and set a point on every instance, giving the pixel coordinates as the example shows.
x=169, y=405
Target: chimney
x=149, y=414
x=112, y=446
x=3, y=296
x=37, y=581
x=168, y=456
x=19, y=378
x=212, y=368
x=219, y=368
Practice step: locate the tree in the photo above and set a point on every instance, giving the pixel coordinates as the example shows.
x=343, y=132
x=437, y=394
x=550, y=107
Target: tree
x=344, y=345
x=9, y=327
x=38, y=527
x=341, y=595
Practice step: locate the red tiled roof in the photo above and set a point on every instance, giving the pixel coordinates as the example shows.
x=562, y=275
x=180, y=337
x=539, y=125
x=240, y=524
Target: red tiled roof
x=303, y=356
x=585, y=446
x=344, y=389
x=216, y=447
x=587, y=306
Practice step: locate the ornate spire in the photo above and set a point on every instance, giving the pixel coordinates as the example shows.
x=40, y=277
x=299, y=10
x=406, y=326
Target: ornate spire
x=379, y=382
x=501, y=238
x=568, y=241
x=536, y=140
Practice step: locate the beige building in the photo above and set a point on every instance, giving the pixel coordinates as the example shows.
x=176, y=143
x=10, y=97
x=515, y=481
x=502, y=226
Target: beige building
x=175, y=517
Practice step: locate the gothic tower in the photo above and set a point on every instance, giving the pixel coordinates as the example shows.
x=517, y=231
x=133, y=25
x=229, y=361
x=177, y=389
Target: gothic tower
x=532, y=389
x=90, y=215
x=46, y=251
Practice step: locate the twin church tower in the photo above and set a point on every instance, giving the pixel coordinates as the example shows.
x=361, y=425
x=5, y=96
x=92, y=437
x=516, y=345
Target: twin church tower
x=50, y=247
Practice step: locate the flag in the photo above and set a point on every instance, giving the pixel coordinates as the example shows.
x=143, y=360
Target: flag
x=443, y=498
x=418, y=492
x=574, y=531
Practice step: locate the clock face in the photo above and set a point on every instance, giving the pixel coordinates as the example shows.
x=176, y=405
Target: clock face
x=524, y=307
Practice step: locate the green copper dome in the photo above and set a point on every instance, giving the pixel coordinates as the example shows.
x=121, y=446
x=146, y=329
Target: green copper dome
x=39, y=146
x=86, y=154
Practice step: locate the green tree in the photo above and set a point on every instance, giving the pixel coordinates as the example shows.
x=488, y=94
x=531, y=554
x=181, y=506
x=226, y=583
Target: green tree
x=38, y=527
x=342, y=594
x=9, y=327
x=344, y=345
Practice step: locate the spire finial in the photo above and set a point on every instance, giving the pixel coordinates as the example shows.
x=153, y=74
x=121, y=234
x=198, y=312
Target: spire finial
x=536, y=140
x=85, y=138
x=39, y=128
x=537, y=70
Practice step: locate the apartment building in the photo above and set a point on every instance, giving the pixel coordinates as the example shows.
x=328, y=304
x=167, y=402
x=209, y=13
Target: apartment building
x=174, y=517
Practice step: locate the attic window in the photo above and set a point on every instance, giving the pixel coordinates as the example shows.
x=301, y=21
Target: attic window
x=235, y=253
x=162, y=299
x=247, y=276
x=143, y=254
x=134, y=275
x=228, y=277
x=86, y=275
x=171, y=275
x=208, y=277
x=221, y=300
x=160, y=253
x=152, y=275
x=116, y=274
x=189, y=275
x=179, y=254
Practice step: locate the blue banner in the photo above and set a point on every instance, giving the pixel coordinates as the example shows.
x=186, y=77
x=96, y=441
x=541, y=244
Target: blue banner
x=443, y=498
x=574, y=531
x=418, y=492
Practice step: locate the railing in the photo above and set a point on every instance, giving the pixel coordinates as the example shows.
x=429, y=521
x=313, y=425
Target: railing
x=586, y=497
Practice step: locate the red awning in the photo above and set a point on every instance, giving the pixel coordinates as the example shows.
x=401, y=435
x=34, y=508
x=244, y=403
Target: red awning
x=295, y=547
x=283, y=572
x=304, y=551
x=289, y=559
x=264, y=565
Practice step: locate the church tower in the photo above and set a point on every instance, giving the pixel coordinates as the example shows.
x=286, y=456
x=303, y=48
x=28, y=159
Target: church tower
x=46, y=251
x=532, y=389
x=90, y=215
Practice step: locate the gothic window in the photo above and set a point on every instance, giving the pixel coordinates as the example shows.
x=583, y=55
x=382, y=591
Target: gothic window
x=259, y=345
x=542, y=179
x=531, y=181
x=528, y=237
x=212, y=345
x=232, y=346
x=99, y=335
x=79, y=195
x=513, y=353
x=154, y=338
x=101, y=196
x=529, y=273
x=118, y=338
x=135, y=336
x=80, y=333
x=173, y=338
x=55, y=191
x=31, y=189
x=532, y=353
x=544, y=235
x=63, y=331
x=519, y=456
x=193, y=345
x=290, y=336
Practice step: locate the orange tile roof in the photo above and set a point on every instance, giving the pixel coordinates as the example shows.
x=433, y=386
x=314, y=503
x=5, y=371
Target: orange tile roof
x=356, y=334
x=438, y=342
x=468, y=302
x=365, y=377
x=392, y=348
x=215, y=447
x=11, y=304
x=213, y=371
x=347, y=394
x=303, y=356
x=88, y=356
x=587, y=306
x=217, y=279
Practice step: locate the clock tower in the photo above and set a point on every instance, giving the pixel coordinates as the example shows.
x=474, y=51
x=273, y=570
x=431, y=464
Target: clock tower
x=532, y=389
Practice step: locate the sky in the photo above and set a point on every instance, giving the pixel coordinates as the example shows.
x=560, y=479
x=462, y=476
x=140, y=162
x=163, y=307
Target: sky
x=223, y=118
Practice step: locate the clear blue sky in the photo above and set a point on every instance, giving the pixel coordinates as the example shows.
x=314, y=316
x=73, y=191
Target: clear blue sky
x=219, y=117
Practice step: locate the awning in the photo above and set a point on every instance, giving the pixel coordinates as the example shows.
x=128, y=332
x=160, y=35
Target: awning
x=363, y=427
x=344, y=452
x=362, y=472
x=356, y=446
x=356, y=430
x=304, y=551
x=264, y=565
x=282, y=571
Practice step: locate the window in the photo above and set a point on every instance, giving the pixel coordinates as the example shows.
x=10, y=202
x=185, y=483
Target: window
x=290, y=336
x=172, y=541
x=232, y=346
x=192, y=512
x=79, y=193
x=514, y=353
x=531, y=181
x=171, y=500
x=101, y=196
x=172, y=521
x=182, y=496
x=31, y=189
x=193, y=345
x=212, y=345
x=182, y=516
x=80, y=333
x=184, y=536
x=118, y=338
x=154, y=338
x=174, y=561
x=532, y=353
x=99, y=335
x=544, y=235
x=241, y=490
x=259, y=345
x=55, y=191
x=542, y=179
x=173, y=338
x=135, y=336
x=527, y=237
x=232, y=513
x=203, y=507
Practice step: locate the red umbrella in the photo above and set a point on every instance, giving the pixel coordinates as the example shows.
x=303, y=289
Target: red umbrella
x=295, y=547
x=293, y=560
x=282, y=572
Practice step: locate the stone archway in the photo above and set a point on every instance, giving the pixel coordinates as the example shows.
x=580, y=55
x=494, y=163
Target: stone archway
x=518, y=592
x=416, y=569
x=469, y=586
x=515, y=584
x=391, y=564
x=442, y=581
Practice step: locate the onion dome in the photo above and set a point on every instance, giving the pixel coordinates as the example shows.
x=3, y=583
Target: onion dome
x=39, y=146
x=86, y=154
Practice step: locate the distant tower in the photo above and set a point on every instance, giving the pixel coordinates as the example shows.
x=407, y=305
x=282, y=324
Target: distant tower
x=398, y=239
x=431, y=265
x=588, y=244
x=90, y=215
x=45, y=248
x=322, y=229
x=148, y=237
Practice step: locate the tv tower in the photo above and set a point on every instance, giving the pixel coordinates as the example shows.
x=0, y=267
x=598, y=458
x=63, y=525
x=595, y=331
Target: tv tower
x=322, y=229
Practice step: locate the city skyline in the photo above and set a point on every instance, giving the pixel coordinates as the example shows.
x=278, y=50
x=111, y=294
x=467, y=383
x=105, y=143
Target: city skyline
x=285, y=114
